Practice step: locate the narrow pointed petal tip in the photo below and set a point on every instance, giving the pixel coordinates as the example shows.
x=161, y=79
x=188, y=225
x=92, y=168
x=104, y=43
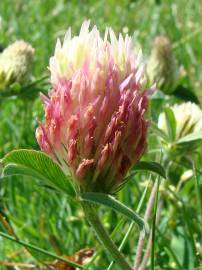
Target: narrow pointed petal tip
x=94, y=114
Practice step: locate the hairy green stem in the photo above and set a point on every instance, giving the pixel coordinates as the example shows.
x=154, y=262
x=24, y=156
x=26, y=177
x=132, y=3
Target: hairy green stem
x=103, y=236
x=99, y=251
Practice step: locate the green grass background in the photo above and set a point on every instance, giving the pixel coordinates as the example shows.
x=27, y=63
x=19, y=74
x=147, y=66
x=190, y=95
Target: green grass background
x=46, y=218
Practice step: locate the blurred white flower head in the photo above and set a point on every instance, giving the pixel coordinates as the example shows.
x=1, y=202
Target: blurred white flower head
x=188, y=117
x=162, y=66
x=15, y=64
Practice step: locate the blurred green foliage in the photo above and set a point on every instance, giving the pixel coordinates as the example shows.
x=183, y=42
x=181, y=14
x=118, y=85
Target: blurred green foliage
x=48, y=219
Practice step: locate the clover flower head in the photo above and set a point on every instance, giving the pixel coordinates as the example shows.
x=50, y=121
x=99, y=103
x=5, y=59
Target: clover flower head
x=188, y=118
x=94, y=115
x=162, y=66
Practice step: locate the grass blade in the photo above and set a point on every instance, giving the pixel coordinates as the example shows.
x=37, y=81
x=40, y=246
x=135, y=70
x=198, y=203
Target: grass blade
x=154, y=224
x=33, y=247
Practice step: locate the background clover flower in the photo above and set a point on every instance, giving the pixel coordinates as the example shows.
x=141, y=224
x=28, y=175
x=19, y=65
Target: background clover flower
x=188, y=118
x=94, y=115
x=162, y=66
x=15, y=64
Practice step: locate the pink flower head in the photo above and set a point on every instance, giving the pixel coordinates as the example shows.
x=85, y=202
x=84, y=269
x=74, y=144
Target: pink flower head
x=94, y=115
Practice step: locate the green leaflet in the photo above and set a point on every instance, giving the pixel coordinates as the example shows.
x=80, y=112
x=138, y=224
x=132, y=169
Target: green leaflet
x=37, y=165
x=171, y=123
x=158, y=131
x=150, y=166
x=111, y=202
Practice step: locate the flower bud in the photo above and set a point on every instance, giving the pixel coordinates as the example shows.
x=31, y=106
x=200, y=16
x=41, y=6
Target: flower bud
x=186, y=175
x=15, y=64
x=162, y=66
